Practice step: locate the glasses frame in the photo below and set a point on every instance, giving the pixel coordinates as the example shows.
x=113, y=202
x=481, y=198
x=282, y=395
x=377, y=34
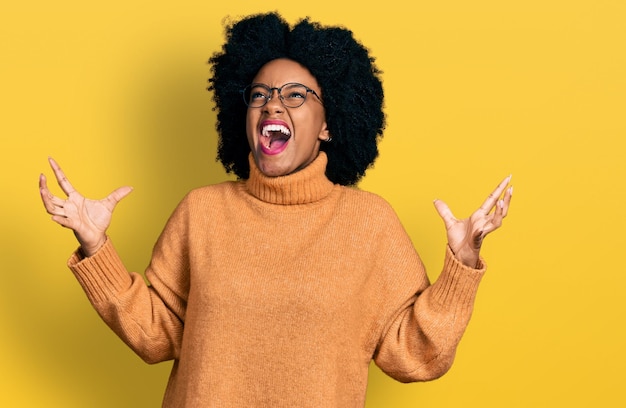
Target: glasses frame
x=270, y=91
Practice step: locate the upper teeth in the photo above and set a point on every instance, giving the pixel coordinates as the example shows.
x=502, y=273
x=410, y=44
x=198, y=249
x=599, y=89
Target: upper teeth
x=275, y=128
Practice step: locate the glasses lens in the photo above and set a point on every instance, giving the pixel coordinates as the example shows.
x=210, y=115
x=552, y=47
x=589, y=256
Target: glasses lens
x=256, y=96
x=293, y=95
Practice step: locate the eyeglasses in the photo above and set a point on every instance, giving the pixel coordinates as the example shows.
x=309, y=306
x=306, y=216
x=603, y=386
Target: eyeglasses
x=291, y=95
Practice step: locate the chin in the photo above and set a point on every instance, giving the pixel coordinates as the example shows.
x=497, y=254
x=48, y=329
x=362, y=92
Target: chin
x=273, y=169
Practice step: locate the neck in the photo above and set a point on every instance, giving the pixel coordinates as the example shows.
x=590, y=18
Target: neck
x=304, y=186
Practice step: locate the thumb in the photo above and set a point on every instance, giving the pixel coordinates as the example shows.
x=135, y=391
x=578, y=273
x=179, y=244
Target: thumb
x=117, y=195
x=445, y=213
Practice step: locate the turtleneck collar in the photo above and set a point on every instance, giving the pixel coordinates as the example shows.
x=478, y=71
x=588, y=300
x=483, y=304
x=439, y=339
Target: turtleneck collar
x=304, y=186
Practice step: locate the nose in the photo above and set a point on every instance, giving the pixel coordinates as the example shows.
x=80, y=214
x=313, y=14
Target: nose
x=274, y=104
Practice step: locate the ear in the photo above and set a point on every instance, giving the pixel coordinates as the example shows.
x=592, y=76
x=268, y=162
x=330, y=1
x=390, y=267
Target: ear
x=324, y=135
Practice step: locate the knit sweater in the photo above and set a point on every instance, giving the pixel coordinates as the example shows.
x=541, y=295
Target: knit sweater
x=279, y=292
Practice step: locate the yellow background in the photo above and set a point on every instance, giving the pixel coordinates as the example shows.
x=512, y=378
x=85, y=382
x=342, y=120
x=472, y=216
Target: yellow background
x=475, y=90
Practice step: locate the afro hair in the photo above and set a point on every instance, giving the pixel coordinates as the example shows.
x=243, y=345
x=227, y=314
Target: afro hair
x=346, y=73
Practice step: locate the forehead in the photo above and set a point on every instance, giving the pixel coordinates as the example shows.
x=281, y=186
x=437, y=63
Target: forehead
x=281, y=71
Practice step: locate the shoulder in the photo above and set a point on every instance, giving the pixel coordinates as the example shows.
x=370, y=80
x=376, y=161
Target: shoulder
x=367, y=201
x=208, y=198
x=214, y=192
x=369, y=209
x=203, y=204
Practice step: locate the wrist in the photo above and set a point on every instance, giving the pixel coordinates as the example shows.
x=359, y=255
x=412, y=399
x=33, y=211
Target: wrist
x=470, y=258
x=91, y=249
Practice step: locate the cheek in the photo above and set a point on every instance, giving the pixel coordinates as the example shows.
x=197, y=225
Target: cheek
x=315, y=124
x=250, y=126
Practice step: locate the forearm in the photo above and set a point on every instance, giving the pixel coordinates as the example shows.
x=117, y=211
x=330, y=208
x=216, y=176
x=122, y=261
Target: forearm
x=139, y=315
x=421, y=343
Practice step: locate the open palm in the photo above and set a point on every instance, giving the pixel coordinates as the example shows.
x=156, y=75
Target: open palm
x=89, y=219
x=465, y=236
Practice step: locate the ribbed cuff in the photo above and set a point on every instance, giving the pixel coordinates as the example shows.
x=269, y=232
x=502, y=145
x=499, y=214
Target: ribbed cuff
x=458, y=283
x=102, y=274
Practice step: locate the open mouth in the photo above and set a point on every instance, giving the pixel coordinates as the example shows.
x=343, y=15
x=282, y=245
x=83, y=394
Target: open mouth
x=274, y=137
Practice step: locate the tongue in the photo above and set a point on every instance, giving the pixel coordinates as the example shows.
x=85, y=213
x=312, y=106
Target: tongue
x=277, y=143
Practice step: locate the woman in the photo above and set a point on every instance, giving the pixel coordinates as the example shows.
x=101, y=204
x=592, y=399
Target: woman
x=280, y=288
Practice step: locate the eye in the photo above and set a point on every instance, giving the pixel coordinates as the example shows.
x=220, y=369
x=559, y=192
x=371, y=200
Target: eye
x=295, y=95
x=295, y=92
x=257, y=93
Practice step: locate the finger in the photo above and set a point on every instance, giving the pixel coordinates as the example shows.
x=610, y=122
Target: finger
x=498, y=215
x=503, y=204
x=478, y=238
x=50, y=202
x=43, y=184
x=43, y=192
x=502, y=207
x=63, y=221
x=491, y=201
x=445, y=213
x=54, y=207
x=507, y=201
x=64, y=183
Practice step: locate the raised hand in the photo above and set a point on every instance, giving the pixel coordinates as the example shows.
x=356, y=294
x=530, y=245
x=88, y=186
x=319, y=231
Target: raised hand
x=466, y=236
x=89, y=219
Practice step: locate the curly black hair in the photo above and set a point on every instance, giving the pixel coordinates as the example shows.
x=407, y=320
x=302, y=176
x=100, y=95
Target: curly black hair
x=350, y=81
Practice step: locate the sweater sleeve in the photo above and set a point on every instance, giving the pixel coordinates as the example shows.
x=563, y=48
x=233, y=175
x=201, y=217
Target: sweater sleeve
x=149, y=317
x=425, y=322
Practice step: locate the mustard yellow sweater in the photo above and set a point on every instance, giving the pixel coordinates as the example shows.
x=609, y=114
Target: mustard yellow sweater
x=278, y=292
